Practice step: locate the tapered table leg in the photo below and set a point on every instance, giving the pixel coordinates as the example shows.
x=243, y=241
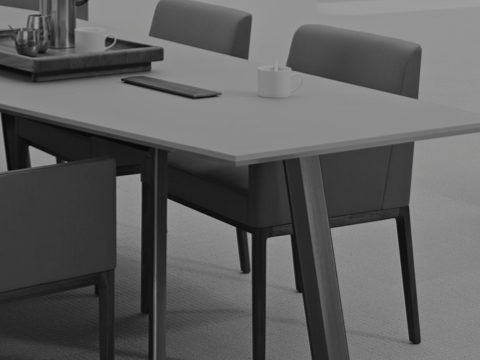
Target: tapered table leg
x=321, y=294
x=157, y=325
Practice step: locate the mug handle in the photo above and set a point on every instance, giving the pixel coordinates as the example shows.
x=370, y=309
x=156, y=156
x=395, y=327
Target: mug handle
x=301, y=82
x=114, y=41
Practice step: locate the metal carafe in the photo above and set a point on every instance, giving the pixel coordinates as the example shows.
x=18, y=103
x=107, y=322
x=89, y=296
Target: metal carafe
x=62, y=14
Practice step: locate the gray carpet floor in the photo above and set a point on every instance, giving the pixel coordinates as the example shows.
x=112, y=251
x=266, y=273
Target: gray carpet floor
x=209, y=299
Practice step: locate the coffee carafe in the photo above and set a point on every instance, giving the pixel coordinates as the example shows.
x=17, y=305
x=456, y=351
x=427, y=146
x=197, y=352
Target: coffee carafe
x=62, y=15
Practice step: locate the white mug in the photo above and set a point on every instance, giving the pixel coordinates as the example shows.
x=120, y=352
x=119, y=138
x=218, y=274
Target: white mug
x=276, y=83
x=91, y=39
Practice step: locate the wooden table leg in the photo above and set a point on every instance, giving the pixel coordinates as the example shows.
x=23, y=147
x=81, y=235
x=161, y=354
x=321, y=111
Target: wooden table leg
x=321, y=294
x=157, y=325
x=16, y=149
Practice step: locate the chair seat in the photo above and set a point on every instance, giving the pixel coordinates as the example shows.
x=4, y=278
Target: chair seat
x=355, y=182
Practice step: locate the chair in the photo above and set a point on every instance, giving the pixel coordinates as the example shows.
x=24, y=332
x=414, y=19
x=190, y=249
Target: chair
x=211, y=27
x=82, y=9
x=58, y=228
x=360, y=186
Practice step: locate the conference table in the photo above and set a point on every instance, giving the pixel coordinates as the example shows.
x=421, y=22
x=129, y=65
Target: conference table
x=240, y=129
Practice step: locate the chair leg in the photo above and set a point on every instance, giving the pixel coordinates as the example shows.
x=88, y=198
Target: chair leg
x=408, y=273
x=296, y=264
x=243, y=251
x=259, y=291
x=107, y=314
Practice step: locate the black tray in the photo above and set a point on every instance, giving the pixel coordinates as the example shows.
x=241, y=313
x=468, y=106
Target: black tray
x=124, y=57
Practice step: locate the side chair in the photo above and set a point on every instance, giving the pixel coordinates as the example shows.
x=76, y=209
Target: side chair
x=58, y=232
x=360, y=186
x=210, y=27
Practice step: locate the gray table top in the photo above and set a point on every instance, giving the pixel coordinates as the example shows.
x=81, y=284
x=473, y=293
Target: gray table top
x=238, y=127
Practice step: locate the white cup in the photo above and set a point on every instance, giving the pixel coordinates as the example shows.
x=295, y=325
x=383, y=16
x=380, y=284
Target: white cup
x=91, y=39
x=276, y=83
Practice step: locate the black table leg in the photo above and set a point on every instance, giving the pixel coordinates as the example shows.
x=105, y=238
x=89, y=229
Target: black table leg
x=148, y=193
x=157, y=326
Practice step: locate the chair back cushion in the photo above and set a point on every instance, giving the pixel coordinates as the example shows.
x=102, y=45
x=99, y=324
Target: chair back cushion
x=359, y=58
x=57, y=222
x=206, y=26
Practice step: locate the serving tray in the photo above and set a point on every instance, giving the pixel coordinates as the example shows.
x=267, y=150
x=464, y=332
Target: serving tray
x=124, y=57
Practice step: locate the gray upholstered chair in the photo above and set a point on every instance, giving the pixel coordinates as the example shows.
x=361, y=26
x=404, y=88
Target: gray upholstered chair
x=82, y=9
x=211, y=27
x=58, y=232
x=360, y=186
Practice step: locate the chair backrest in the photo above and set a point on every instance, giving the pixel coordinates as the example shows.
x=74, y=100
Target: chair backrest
x=355, y=57
x=371, y=179
x=82, y=11
x=57, y=222
x=207, y=26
